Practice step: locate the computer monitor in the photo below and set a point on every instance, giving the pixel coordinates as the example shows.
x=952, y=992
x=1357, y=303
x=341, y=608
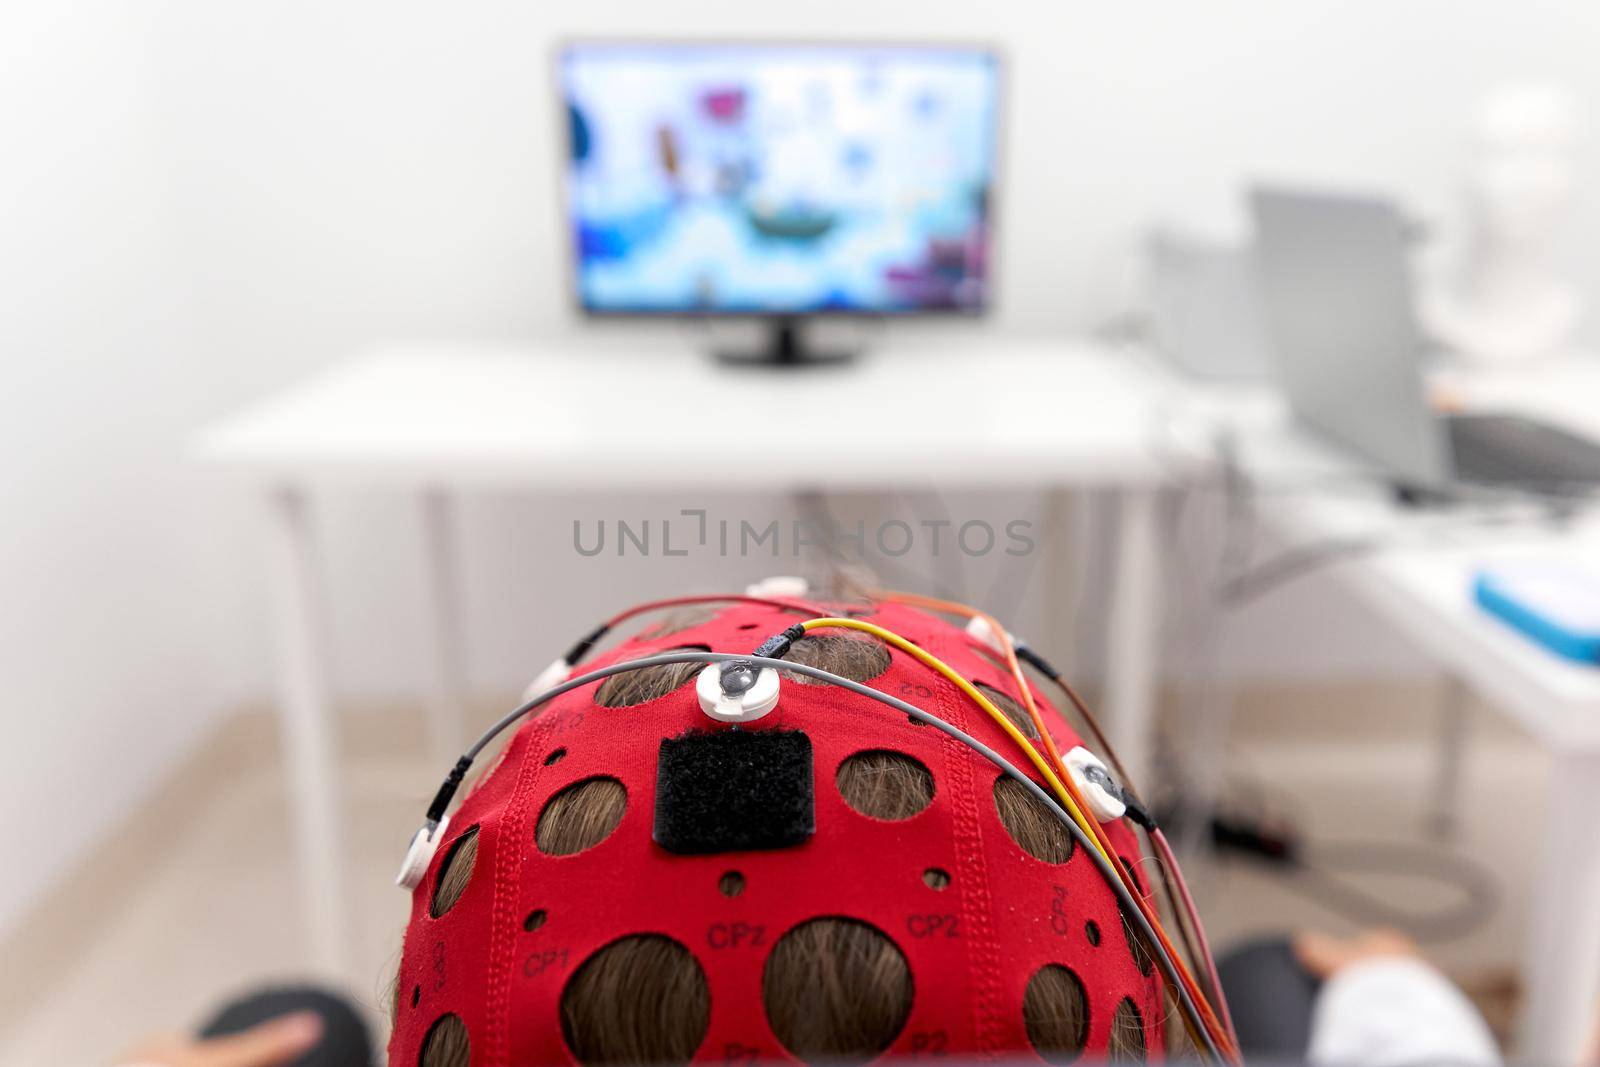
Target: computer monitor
x=780, y=180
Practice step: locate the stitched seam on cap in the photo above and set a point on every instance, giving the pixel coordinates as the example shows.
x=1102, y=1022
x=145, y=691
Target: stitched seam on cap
x=976, y=902
x=507, y=879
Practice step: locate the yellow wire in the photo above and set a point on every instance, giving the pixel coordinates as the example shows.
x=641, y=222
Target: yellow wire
x=1039, y=762
x=1000, y=717
x=1005, y=723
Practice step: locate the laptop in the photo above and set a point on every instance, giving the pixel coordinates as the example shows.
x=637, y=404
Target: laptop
x=1337, y=291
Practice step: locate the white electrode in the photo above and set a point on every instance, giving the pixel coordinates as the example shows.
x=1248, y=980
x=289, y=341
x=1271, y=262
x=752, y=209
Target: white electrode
x=731, y=704
x=424, y=845
x=548, y=679
x=779, y=585
x=1090, y=775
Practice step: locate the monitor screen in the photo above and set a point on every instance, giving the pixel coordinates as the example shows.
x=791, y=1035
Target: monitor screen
x=780, y=179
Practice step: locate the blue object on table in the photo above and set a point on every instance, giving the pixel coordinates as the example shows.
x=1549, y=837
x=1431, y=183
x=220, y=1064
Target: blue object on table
x=1557, y=606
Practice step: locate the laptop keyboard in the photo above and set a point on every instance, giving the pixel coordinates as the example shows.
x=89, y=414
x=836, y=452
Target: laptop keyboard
x=1510, y=450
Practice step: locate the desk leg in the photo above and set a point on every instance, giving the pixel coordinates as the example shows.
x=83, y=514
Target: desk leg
x=1064, y=576
x=446, y=707
x=1133, y=630
x=310, y=734
x=1455, y=711
x=1562, y=971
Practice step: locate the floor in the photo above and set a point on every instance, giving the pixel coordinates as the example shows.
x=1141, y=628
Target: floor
x=1353, y=766
x=203, y=901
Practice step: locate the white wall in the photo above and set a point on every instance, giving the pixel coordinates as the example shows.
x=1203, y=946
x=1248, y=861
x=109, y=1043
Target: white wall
x=107, y=647
x=204, y=201
x=360, y=171
x=385, y=168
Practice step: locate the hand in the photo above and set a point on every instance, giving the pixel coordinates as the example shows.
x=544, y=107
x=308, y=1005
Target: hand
x=1324, y=956
x=269, y=1044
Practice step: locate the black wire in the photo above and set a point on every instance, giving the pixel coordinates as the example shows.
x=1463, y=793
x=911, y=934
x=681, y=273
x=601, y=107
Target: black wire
x=1137, y=811
x=1240, y=491
x=585, y=643
x=1303, y=559
x=1318, y=875
x=1294, y=563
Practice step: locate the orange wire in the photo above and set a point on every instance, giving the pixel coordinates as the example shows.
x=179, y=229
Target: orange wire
x=1170, y=862
x=1213, y=1025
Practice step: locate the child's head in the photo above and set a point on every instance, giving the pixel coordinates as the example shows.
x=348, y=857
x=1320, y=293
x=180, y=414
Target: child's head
x=906, y=898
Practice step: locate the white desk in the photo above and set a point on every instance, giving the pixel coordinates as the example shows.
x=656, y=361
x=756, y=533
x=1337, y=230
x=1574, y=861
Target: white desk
x=435, y=420
x=1423, y=588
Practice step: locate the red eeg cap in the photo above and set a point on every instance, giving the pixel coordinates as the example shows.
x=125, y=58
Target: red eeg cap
x=971, y=947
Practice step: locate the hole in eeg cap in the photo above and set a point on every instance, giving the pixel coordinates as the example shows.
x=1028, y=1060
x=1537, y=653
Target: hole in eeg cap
x=1029, y=822
x=631, y=688
x=455, y=873
x=580, y=816
x=641, y=999
x=1127, y=1033
x=447, y=1043
x=1055, y=1013
x=858, y=658
x=1011, y=709
x=884, y=784
x=836, y=990
x=733, y=790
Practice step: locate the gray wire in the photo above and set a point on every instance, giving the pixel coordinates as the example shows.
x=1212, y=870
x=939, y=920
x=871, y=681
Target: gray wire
x=1125, y=898
x=1484, y=506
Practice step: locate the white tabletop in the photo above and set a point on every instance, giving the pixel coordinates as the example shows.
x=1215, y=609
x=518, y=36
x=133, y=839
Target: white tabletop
x=1422, y=582
x=584, y=414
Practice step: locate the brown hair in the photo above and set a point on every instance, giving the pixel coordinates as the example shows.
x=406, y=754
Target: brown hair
x=885, y=785
x=1055, y=1013
x=640, y=999
x=580, y=816
x=1030, y=824
x=857, y=658
x=457, y=872
x=647, y=683
x=447, y=1043
x=835, y=989
x=1011, y=709
x=1127, y=1032
x=635, y=687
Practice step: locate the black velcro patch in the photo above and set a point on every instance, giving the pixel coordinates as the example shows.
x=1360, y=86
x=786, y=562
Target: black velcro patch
x=734, y=790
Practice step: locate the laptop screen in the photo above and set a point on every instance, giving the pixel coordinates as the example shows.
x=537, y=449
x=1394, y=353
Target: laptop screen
x=1336, y=285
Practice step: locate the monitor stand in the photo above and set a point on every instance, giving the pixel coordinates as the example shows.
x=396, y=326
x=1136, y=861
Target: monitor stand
x=785, y=349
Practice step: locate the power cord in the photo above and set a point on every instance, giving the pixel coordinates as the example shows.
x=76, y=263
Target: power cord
x=1241, y=583
x=1322, y=872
